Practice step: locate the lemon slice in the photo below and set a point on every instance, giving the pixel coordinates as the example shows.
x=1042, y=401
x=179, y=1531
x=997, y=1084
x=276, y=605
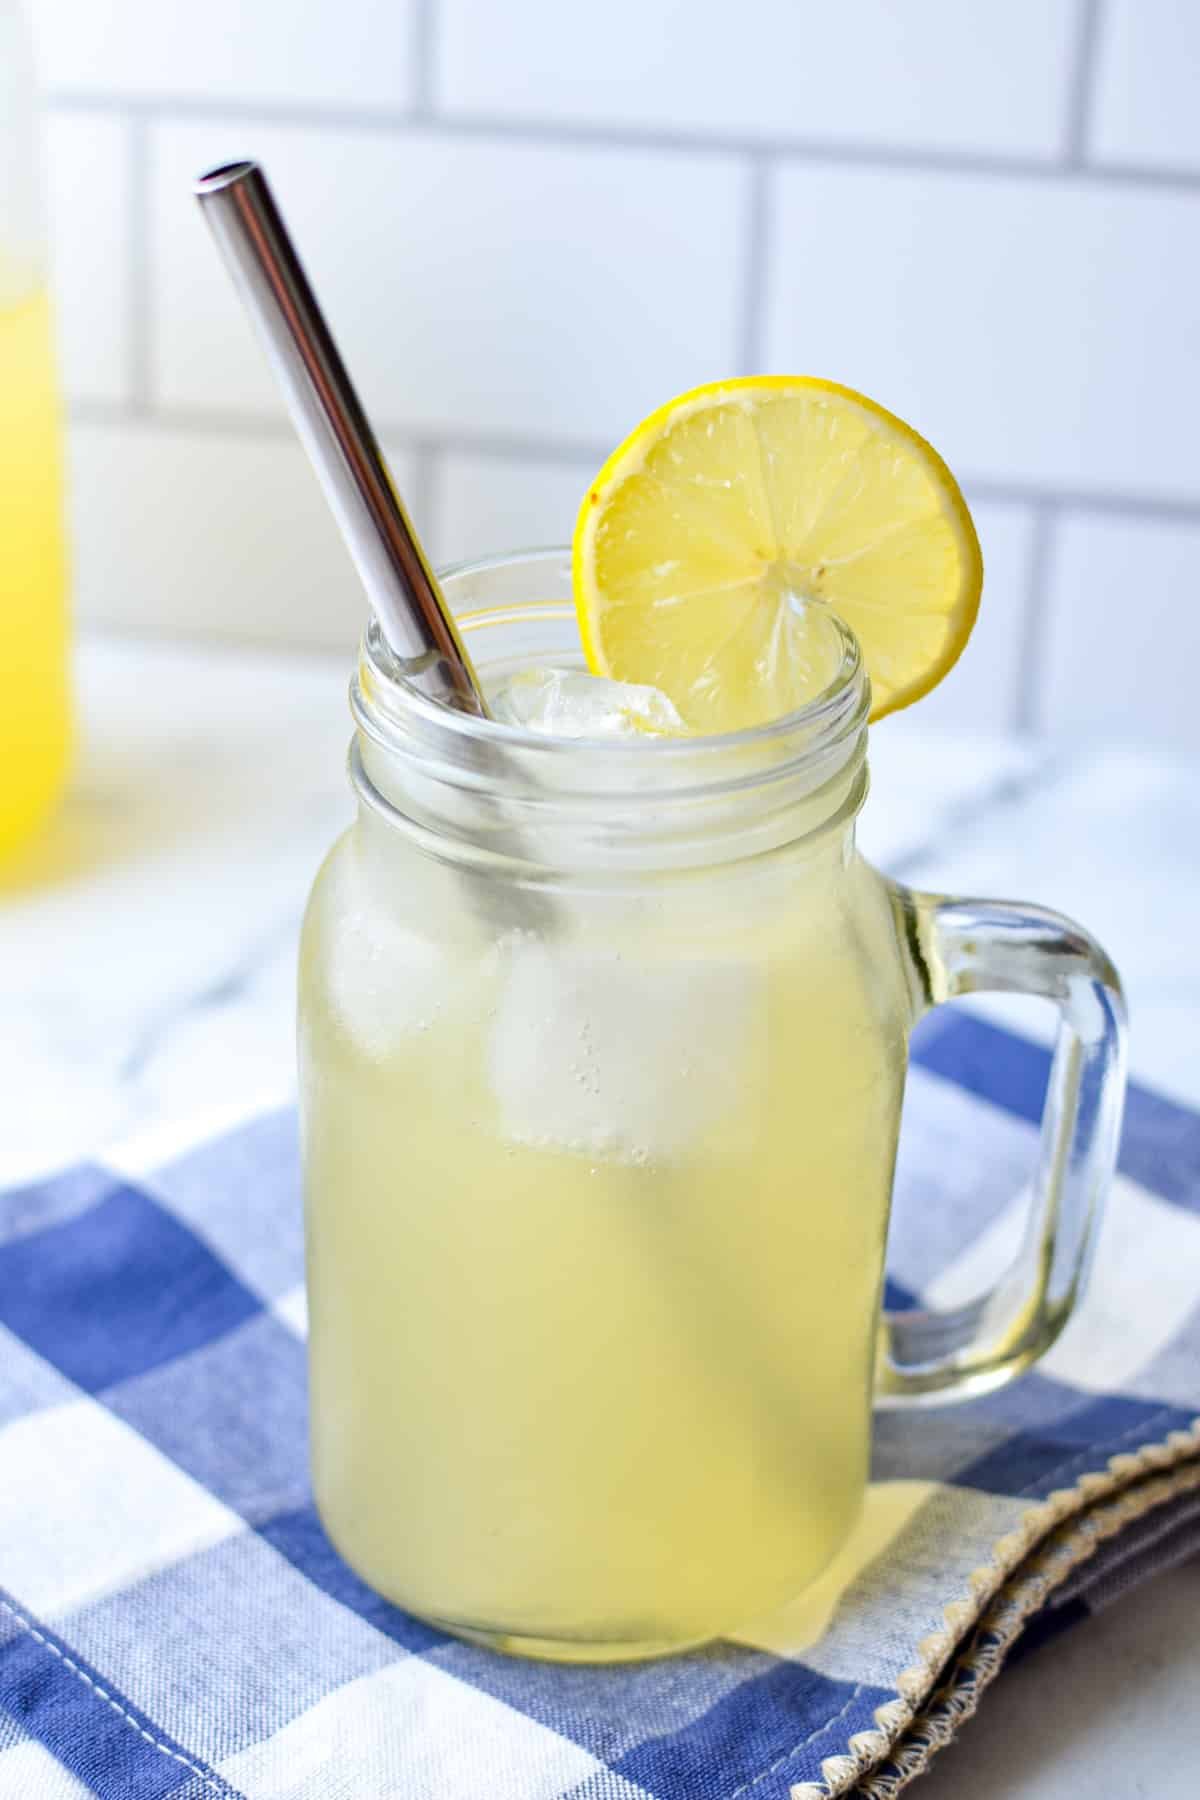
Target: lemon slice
x=710, y=541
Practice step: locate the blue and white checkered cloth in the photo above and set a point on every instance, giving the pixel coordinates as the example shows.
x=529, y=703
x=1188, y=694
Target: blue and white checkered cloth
x=173, y=1620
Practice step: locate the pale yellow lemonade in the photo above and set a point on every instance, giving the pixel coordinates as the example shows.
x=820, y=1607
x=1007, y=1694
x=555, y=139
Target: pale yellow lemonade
x=602, y=1061
x=34, y=724
x=596, y=1223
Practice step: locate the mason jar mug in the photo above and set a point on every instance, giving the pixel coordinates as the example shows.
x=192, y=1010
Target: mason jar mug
x=602, y=1048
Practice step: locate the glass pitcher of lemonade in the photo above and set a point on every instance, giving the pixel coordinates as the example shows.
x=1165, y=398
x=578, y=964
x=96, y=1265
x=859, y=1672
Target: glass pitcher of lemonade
x=603, y=1046
x=34, y=711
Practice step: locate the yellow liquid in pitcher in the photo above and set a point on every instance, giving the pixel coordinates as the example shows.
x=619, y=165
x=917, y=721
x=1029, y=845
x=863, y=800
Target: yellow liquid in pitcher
x=598, y=1383
x=34, y=718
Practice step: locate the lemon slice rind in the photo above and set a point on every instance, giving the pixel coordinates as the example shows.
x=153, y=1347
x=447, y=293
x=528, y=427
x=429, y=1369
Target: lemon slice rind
x=733, y=513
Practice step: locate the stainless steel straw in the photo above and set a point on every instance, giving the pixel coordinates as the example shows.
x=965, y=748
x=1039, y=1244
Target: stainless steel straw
x=329, y=418
x=327, y=414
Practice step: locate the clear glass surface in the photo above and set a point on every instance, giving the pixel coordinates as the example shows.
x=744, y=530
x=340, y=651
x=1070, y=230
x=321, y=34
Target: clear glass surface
x=602, y=1056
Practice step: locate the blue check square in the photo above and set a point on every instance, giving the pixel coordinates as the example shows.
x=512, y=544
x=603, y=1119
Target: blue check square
x=117, y=1290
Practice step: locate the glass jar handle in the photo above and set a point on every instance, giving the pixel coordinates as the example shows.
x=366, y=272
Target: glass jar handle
x=956, y=947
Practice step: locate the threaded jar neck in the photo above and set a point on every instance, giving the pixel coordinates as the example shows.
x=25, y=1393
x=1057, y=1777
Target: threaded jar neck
x=471, y=789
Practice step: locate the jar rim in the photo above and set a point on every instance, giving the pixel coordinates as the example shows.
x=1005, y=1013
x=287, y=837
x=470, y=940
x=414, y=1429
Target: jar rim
x=395, y=713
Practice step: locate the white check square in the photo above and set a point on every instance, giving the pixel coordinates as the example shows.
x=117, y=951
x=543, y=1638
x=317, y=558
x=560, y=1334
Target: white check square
x=412, y=1732
x=86, y=1506
x=29, y=1772
x=292, y=1308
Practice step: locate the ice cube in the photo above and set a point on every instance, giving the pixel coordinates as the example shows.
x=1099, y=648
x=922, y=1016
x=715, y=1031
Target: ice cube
x=568, y=703
x=621, y=1056
x=383, y=980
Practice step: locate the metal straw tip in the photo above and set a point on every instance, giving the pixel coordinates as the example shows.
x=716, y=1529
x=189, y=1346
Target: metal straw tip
x=241, y=212
x=223, y=177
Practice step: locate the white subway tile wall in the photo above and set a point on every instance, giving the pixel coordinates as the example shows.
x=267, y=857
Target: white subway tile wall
x=1123, y=627
x=480, y=503
x=1146, y=108
x=177, y=530
x=529, y=228
x=319, y=53
x=979, y=689
x=88, y=161
x=924, y=74
x=459, y=276
x=1023, y=327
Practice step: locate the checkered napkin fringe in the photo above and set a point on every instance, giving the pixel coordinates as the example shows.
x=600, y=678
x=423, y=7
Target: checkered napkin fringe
x=174, y=1622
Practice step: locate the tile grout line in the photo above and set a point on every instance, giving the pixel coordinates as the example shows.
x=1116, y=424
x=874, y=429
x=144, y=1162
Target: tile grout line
x=1036, y=618
x=422, y=48
x=587, y=454
x=201, y=422
x=1082, y=83
x=755, y=261
x=140, y=304
x=1112, y=501
x=829, y=152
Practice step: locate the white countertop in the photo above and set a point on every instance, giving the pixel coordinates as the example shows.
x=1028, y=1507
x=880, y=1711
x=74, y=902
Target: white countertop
x=146, y=959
